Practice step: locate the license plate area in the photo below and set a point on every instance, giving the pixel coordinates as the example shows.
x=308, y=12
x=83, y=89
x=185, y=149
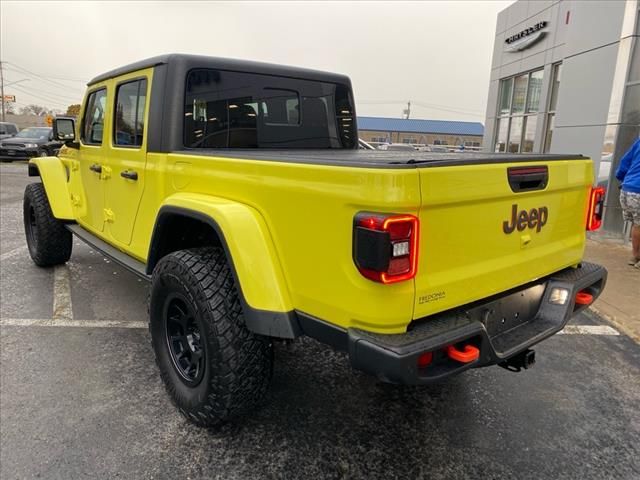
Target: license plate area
x=511, y=311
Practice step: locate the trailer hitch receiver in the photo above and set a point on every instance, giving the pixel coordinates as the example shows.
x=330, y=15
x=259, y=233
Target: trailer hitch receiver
x=523, y=360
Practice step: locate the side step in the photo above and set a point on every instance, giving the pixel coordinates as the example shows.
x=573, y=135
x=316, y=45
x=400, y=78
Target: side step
x=109, y=251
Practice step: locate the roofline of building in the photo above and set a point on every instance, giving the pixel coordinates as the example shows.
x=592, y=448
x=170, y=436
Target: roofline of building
x=419, y=119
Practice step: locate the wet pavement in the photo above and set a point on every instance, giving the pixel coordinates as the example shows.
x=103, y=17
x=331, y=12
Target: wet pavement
x=86, y=401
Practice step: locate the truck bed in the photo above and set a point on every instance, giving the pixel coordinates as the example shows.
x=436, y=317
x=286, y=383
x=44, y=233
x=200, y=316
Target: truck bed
x=378, y=158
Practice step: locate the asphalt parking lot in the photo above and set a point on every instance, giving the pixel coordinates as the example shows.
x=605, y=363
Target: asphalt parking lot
x=80, y=396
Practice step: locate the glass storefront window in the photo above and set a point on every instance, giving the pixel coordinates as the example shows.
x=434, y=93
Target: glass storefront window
x=553, y=101
x=501, y=138
x=535, y=89
x=519, y=94
x=515, y=134
x=631, y=107
x=506, y=89
x=518, y=105
x=634, y=69
x=529, y=133
x=548, y=136
x=555, y=86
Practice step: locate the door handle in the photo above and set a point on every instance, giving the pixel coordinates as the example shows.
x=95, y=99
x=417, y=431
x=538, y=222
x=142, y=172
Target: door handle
x=130, y=174
x=96, y=168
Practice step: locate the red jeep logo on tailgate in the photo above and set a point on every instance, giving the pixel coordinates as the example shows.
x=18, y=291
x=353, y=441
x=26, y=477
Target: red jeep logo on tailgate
x=534, y=218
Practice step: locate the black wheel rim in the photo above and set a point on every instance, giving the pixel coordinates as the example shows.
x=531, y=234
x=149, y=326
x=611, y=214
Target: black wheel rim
x=32, y=231
x=184, y=340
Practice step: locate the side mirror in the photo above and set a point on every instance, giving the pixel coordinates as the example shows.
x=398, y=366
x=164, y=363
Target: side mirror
x=64, y=130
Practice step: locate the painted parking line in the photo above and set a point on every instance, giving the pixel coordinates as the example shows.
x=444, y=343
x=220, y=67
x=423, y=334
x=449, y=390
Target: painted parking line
x=62, y=315
x=62, y=309
x=590, y=330
x=67, y=322
x=12, y=253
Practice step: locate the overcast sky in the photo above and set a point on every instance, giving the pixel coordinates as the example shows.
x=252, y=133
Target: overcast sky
x=436, y=54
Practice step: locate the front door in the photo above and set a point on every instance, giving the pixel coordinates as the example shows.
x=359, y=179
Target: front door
x=126, y=158
x=86, y=182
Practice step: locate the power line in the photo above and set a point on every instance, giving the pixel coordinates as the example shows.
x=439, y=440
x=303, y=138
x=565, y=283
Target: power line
x=449, y=109
x=41, y=96
x=28, y=89
x=38, y=75
x=48, y=100
x=46, y=77
x=422, y=104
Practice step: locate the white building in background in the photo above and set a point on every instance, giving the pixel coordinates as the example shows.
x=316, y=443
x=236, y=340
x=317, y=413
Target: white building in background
x=565, y=78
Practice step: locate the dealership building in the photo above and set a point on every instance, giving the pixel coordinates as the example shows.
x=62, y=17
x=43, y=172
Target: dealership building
x=420, y=132
x=565, y=78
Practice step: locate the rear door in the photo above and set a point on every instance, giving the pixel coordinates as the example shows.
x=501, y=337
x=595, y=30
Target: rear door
x=484, y=231
x=126, y=156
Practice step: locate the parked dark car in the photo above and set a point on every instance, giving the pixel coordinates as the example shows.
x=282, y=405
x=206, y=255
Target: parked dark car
x=7, y=130
x=28, y=143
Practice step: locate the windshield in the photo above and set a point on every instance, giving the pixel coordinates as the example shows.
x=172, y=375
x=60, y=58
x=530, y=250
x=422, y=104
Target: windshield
x=245, y=110
x=38, y=133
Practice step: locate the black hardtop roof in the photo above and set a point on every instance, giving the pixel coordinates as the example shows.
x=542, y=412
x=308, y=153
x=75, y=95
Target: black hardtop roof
x=188, y=62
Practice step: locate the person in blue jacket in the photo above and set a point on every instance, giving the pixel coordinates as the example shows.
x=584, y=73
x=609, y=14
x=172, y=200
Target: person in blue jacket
x=628, y=174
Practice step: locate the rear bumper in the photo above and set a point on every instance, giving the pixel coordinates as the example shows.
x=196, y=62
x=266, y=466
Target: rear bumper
x=499, y=327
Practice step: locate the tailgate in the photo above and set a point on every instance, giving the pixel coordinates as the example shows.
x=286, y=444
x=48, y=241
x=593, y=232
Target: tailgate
x=470, y=247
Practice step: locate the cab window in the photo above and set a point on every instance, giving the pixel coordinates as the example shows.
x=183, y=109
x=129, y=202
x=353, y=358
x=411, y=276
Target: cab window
x=131, y=99
x=93, y=119
x=226, y=109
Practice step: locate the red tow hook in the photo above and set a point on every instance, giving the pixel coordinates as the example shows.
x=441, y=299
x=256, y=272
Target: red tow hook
x=584, y=298
x=467, y=355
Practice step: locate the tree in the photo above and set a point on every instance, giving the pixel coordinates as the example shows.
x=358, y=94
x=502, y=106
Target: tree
x=73, y=110
x=33, y=110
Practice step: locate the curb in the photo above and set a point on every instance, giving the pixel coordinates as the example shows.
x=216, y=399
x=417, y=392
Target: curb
x=620, y=326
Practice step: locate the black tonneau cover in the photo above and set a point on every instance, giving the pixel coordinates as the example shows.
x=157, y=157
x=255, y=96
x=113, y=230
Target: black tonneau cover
x=377, y=159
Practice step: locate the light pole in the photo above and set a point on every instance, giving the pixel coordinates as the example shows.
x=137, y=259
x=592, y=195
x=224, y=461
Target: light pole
x=2, y=87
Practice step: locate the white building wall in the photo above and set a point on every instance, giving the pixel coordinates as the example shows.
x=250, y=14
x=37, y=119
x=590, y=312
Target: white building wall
x=589, y=66
x=583, y=36
x=593, y=40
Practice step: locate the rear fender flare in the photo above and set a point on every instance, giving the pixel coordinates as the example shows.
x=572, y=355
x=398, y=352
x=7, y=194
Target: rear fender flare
x=251, y=253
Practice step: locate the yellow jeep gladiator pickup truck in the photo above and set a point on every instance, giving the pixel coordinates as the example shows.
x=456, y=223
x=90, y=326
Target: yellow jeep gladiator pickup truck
x=238, y=190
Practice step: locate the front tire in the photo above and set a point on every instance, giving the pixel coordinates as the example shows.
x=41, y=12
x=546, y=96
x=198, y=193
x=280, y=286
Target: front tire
x=49, y=242
x=212, y=366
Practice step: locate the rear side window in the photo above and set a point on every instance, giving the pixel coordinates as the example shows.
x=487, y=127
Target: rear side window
x=131, y=99
x=243, y=110
x=8, y=129
x=93, y=119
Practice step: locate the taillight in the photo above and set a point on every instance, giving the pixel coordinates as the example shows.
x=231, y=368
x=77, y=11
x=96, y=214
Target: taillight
x=596, y=208
x=385, y=247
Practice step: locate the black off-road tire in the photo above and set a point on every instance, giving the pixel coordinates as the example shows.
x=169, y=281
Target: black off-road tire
x=234, y=366
x=49, y=242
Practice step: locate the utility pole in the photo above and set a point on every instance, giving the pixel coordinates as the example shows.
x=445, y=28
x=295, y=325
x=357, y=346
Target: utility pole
x=408, y=109
x=2, y=89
